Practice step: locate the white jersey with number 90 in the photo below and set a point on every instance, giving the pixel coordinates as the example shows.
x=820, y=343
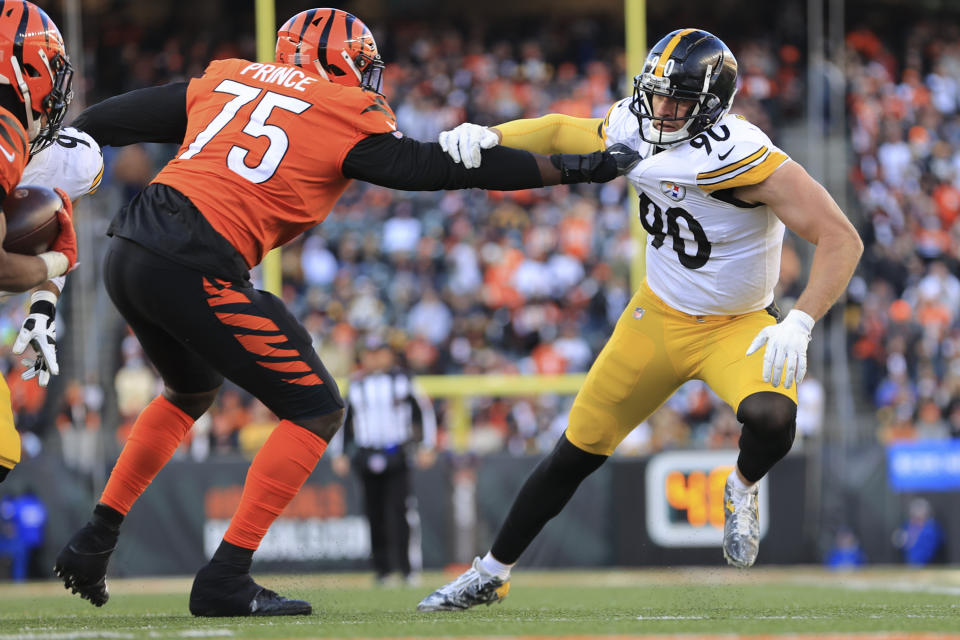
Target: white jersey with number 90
x=707, y=253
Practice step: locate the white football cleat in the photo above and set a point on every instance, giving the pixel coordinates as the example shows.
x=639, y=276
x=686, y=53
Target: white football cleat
x=473, y=587
x=741, y=525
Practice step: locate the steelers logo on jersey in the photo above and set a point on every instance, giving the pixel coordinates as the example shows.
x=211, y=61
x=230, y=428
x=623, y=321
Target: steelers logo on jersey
x=673, y=190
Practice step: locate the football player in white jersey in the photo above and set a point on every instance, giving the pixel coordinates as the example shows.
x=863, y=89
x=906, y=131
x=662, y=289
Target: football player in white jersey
x=71, y=161
x=715, y=196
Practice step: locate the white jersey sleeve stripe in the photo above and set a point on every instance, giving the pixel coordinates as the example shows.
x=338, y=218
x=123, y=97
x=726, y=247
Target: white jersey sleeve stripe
x=754, y=173
x=733, y=165
x=754, y=160
x=606, y=123
x=617, y=124
x=96, y=181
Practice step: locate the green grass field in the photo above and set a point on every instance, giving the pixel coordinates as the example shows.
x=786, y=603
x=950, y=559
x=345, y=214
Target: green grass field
x=713, y=602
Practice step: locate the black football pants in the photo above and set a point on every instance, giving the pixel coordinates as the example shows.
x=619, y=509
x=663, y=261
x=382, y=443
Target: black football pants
x=197, y=329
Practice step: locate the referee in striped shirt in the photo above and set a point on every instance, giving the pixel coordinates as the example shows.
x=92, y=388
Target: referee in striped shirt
x=387, y=417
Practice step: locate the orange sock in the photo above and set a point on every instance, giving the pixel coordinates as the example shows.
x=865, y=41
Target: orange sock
x=156, y=434
x=276, y=474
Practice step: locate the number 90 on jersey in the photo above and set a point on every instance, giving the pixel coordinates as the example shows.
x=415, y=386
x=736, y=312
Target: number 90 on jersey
x=685, y=498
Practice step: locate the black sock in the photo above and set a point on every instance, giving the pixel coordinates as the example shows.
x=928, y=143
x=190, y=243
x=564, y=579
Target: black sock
x=107, y=518
x=233, y=556
x=100, y=534
x=543, y=495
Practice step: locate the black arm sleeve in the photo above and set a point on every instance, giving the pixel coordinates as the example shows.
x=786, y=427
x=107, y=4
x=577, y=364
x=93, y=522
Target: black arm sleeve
x=411, y=165
x=155, y=114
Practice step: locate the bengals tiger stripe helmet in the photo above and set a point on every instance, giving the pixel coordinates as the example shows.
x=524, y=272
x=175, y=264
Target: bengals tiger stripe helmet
x=33, y=60
x=334, y=44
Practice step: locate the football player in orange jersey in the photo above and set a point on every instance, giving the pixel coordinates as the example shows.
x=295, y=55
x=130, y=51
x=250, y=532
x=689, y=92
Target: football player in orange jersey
x=35, y=78
x=266, y=150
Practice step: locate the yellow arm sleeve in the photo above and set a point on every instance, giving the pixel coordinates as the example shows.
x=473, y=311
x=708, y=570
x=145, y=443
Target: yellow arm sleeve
x=553, y=133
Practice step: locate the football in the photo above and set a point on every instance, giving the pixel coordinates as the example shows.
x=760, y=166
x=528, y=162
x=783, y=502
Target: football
x=31, y=216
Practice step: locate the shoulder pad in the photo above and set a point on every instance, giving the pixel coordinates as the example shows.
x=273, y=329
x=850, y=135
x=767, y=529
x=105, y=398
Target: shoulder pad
x=72, y=163
x=620, y=125
x=222, y=66
x=368, y=111
x=14, y=148
x=737, y=154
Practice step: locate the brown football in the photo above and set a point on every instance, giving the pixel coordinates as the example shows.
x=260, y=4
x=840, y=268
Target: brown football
x=32, y=225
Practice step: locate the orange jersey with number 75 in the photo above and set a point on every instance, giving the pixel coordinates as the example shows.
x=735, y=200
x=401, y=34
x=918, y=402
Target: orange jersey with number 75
x=264, y=148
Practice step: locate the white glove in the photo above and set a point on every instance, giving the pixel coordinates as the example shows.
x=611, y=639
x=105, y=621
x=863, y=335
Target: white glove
x=463, y=143
x=38, y=368
x=40, y=331
x=786, y=345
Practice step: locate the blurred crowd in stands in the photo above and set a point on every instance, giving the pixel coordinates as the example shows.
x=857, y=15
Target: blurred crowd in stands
x=905, y=304
x=532, y=282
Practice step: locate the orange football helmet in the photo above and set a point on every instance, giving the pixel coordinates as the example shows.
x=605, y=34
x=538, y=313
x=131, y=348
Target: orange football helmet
x=33, y=60
x=334, y=44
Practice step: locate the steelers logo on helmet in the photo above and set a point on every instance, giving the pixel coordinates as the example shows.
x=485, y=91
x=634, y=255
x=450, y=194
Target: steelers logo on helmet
x=33, y=61
x=695, y=76
x=334, y=44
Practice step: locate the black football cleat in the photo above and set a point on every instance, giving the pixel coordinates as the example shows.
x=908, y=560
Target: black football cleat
x=82, y=563
x=268, y=603
x=220, y=592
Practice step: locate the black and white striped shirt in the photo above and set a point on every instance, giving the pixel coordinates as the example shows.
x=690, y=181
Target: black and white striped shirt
x=386, y=410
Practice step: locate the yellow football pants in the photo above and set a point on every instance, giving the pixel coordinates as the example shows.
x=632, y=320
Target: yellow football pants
x=9, y=438
x=653, y=350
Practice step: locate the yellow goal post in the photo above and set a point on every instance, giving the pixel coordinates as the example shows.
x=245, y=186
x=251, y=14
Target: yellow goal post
x=266, y=26
x=459, y=389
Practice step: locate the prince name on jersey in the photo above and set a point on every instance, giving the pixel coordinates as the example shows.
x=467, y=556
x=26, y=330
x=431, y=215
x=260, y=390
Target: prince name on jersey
x=707, y=252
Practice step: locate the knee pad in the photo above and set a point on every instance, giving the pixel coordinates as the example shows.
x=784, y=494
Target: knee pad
x=570, y=461
x=769, y=427
x=325, y=426
x=192, y=404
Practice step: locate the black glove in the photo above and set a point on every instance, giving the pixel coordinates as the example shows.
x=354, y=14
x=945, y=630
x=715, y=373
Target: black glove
x=599, y=166
x=3, y=473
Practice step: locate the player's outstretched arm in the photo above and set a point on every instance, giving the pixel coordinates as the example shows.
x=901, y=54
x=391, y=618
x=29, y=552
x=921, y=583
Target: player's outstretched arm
x=154, y=114
x=807, y=209
x=411, y=165
x=552, y=133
